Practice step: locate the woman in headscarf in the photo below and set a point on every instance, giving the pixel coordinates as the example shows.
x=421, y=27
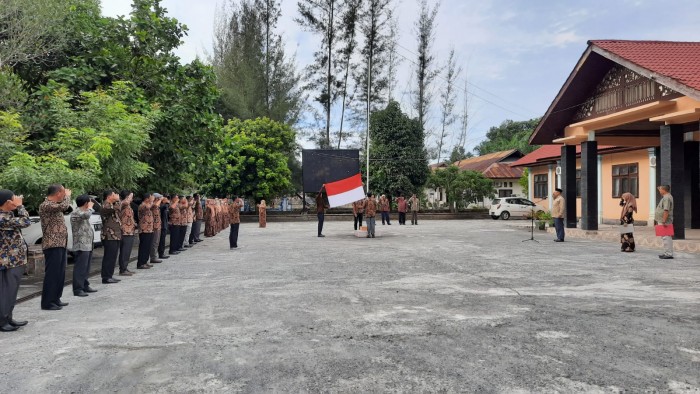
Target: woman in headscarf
x=629, y=207
x=262, y=214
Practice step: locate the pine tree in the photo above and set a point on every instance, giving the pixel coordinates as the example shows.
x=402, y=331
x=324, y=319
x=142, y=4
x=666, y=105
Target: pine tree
x=447, y=102
x=320, y=18
x=349, y=38
x=425, y=72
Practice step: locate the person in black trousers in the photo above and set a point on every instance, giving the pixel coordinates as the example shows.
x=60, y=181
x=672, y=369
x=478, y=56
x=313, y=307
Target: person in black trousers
x=54, y=242
x=111, y=235
x=83, y=245
x=164, y=219
x=234, y=216
x=174, y=223
x=145, y=216
x=321, y=211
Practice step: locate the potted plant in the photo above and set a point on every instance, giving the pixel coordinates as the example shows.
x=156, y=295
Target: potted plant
x=543, y=218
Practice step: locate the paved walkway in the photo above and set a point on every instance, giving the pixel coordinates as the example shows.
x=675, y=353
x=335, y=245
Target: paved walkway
x=448, y=306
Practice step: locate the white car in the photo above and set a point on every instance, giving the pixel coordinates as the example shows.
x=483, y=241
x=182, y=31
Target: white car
x=33, y=235
x=508, y=207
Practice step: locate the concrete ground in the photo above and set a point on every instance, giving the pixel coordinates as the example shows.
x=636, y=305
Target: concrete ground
x=446, y=306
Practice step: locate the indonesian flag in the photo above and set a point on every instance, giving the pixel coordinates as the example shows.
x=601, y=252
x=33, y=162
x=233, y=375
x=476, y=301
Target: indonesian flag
x=345, y=191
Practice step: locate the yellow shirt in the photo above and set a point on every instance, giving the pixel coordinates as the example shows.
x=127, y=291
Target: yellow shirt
x=558, y=207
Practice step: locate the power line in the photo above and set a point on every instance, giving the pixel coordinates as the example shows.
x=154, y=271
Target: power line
x=469, y=83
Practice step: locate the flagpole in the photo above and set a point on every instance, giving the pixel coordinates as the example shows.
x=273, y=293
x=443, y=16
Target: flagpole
x=369, y=80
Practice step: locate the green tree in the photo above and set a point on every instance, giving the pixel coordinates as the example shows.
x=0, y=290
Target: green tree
x=458, y=153
x=524, y=182
x=12, y=94
x=473, y=187
x=254, y=74
x=252, y=159
x=447, y=179
x=31, y=30
x=398, y=159
x=509, y=135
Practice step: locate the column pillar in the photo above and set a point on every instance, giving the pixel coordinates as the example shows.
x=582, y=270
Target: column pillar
x=589, y=185
x=530, y=184
x=692, y=183
x=568, y=183
x=550, y=185
x=653, y=183
x=672, y=168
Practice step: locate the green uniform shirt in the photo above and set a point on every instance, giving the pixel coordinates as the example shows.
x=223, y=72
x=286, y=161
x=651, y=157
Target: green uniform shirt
x=666, y=204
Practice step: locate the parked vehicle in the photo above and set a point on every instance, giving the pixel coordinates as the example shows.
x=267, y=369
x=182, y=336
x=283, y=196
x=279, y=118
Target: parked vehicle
x=33, y=235
x=507, y=207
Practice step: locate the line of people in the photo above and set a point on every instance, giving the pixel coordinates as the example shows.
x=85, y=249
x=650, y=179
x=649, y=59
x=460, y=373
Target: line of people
x=368, y=207
x=155, y=217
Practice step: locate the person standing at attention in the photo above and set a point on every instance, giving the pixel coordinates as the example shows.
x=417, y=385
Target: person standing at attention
x=235, y=219
x=558, y=215
x=321, y=210
x=401, y=202
x=371, y=211
x=664, y=217
x=262, y=214
x=111, y=235
x=358, y=209
x=414, y=204
x=629, y=207
x=54, y=242
x=126, y=219
x=385, y=205
x=13, y=256
x=83, y=238
x=146, y=222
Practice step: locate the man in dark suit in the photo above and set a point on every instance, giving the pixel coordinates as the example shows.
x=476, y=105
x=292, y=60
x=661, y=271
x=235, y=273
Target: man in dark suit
x=164, y=219
x=111, y=234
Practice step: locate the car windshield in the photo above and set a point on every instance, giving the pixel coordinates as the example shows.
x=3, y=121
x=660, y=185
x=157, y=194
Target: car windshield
x=496, y=201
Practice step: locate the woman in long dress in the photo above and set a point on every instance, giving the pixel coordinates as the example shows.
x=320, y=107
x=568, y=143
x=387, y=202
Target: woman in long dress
x=262, y=214
x=629, y=207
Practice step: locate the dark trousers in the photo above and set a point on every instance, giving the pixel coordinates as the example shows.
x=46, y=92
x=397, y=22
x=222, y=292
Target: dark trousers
x=183, y=232
x=145, y=243
x=174, y=236
x=402, y=218
x=559, y=227
x=9, y=286
x=54, y=277
x=357, y=222
x=196, y=228
x=125, y=252
x=161, y=244
x=321, y=217
x=385, y=217
x=233, y=236
x=81, y=269
x=414, y=217
x=109, y=258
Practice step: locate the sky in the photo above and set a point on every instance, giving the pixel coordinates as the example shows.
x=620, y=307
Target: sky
x=516, y=54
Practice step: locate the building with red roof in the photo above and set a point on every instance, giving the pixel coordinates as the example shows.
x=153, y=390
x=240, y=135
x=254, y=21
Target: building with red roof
x=627, y=119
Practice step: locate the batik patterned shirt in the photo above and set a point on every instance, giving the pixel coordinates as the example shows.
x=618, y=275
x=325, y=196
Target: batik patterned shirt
x=53, y=225
x=13, y=249
x=126, y=217
x=157, y=223
x=234, y=210
x=371, y=209
x=111, y=226
x=174, y=211
x=145, y=219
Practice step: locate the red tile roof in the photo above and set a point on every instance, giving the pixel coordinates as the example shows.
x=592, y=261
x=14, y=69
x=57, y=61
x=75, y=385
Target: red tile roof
x=677, y=60
x=549, y=153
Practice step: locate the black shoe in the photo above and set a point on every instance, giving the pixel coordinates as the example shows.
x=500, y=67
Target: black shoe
x=665, y=257
x=143, y=267
x=17, y=323
x=52, y=307
x=558, y=240
x=90, y=290
x=163, y=257
x=188, y=246
x=181, y=250
x=198, y=240
x=110, y=280
x=80, y=293
x=61, y=303
x=156, y=261
x=372, y=235
x=369, y=236
x=7, y=327
x=172, y=253
x=321, y=236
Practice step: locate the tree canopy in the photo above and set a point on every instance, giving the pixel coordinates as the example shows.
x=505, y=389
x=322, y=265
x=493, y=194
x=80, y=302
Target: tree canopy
x=509, y=135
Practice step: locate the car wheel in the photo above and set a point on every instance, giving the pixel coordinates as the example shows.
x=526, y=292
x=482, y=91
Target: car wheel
x=505, y=215
x=494, y=217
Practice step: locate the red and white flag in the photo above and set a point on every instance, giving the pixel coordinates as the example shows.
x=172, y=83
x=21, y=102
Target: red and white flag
x=345, y=191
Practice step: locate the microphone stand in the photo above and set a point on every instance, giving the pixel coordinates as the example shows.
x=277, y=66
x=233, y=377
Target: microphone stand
x=532, y=222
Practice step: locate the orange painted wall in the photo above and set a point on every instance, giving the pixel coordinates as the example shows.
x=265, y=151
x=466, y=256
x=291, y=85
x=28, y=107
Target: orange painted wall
x=541, y=170
x=610, y=205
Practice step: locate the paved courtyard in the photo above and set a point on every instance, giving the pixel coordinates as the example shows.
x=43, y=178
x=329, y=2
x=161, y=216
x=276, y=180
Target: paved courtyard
x=446, y=306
